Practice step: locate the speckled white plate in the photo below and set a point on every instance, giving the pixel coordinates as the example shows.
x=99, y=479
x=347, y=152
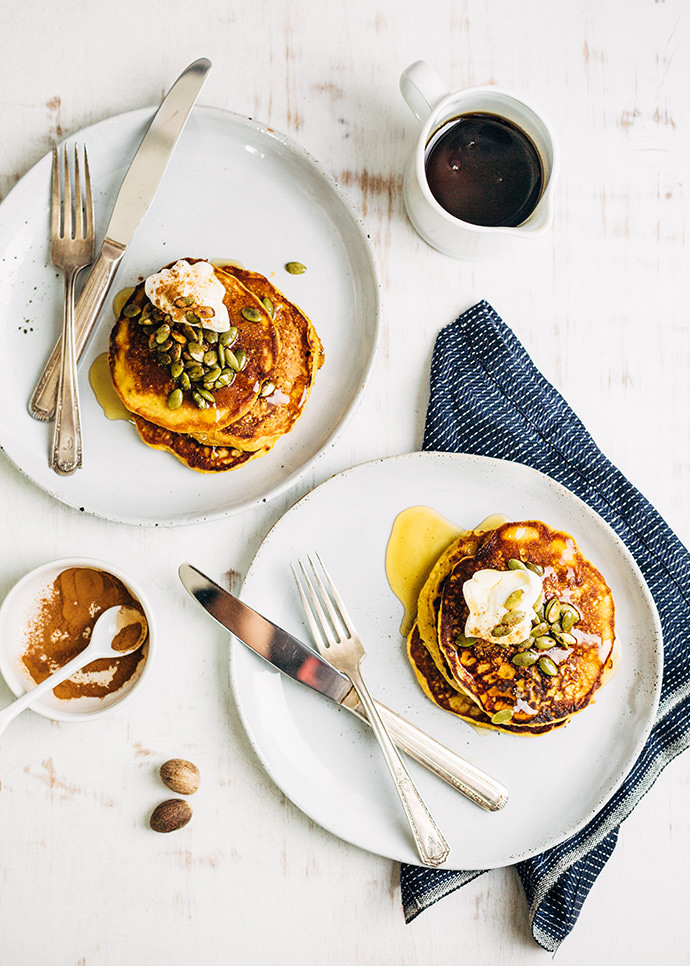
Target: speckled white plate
x=234, y=190
x=328, y=763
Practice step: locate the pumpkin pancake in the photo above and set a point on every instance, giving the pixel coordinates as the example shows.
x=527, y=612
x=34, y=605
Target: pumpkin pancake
x=144, y=384
x=204, y=459
x=445, y=695
x=581, y=657
x=301, y=355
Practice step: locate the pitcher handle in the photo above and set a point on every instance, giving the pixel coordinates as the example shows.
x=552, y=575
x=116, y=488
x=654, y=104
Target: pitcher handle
x=422, y=88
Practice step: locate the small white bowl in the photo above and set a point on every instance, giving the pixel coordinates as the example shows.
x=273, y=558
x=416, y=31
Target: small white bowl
x=15, y=613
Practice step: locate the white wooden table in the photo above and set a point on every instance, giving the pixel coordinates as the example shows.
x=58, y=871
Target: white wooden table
x=601, y=305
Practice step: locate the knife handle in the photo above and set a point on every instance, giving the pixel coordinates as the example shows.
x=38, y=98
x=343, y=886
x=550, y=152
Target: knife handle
x=89, y=303
x=474, y=784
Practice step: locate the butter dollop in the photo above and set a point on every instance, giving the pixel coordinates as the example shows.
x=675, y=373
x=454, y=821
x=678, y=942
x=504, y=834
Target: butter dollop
x=486, y=594
x=187, y=288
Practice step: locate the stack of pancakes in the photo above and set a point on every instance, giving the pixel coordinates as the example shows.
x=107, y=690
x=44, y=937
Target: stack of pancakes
x=538, y=684
x=274, y=352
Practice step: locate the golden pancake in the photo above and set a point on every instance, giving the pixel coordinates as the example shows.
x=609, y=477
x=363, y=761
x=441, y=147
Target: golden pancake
x=429, y=601
x=445, y=695
x=576, y=637
x=140, y=361
x=301, y=355
x=204, y=459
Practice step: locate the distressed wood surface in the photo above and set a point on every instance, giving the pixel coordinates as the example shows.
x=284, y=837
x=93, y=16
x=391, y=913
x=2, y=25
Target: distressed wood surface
x=600, y=303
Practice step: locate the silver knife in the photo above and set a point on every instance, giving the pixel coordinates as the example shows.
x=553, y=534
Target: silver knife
x=136, y=193
x=300, y=662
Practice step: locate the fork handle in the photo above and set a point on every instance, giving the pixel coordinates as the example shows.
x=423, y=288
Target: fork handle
x=65, y=457
x=432, y=847
x=42, y=405
x=460, y=774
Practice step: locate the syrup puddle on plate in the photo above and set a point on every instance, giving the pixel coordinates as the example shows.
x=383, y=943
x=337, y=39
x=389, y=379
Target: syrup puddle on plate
x=104, y=391
x=418, y=538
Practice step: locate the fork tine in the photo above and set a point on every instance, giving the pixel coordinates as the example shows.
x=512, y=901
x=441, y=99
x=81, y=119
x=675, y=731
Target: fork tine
x=331, y=595
x=66, y=197
x=314, y=627
x=55, y=197
x=89, y=197
x=78, y=210
x=327, y=630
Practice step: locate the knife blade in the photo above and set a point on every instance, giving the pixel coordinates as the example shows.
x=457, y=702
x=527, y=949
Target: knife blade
x=136, y=193
x=299, y=661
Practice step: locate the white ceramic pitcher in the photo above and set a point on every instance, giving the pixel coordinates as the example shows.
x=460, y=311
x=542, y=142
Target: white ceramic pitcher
x=433, y=105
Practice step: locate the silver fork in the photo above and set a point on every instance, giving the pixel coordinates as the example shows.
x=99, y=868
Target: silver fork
x=338, y=641
x=72, y=238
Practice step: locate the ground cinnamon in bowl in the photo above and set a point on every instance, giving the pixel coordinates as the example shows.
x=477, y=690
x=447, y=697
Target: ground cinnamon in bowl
x=60, y=628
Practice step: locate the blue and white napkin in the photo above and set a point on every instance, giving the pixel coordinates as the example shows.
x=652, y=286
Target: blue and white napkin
x=488, y=398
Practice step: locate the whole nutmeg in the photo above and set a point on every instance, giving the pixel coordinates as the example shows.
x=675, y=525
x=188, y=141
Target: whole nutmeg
x=180, y=776
x=170, y=816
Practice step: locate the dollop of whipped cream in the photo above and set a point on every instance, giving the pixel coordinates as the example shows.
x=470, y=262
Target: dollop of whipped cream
x=486, y=595
x=185, y=291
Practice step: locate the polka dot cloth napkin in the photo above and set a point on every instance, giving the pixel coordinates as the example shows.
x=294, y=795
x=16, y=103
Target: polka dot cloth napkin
x=487, y=398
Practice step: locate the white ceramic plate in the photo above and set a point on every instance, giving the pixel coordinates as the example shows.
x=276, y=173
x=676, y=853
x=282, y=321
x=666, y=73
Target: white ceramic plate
x=233, y=190
x=327, y=762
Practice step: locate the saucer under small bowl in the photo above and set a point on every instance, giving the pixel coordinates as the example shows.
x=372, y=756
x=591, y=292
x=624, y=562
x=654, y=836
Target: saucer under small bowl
x=16, y=614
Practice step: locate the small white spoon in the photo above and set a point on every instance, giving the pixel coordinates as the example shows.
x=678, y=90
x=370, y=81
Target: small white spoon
x=107, y=640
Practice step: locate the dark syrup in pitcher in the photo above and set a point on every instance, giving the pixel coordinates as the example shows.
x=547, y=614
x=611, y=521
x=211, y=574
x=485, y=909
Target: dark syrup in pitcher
x=484, y=170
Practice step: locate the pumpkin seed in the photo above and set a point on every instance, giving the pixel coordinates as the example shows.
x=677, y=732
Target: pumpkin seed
x=500, y=630
x=513, y=618
x=565, y=638
x=175, y=399
x=179, y=336
x=525, y=658
x=192, y=317
x=267, y=388
x=164, y=358
x=211, y=358
x=196, y=351
x=185, y=382
x=162, y=333
x=547, y=666
x=552, y=611
x=540, y=629
x=131, y=310
x=212, y=374
x=251, y=314
x=502, y=717
x=535, y=568
x=211, y=336
x=544, y=643
x=228, y=337
x=166, y=346
x=295, y=268
x=241, y=356
x=176, y=369
x=199, y=400
x=569, y=617
x=226, y=377
x=195, y=373
x=205, y=394
x=205, y=312
x=462, y=641
x=514, y=600
x=182, y=301
x=515, y=564
x=175, y=351
x=268, y=305
x=231, y=360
